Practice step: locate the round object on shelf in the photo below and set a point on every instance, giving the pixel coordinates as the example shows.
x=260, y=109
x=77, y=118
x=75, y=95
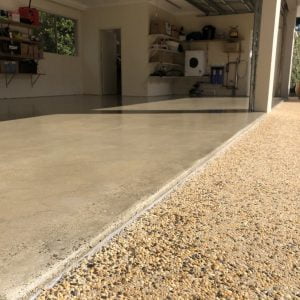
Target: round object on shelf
x=172, y=45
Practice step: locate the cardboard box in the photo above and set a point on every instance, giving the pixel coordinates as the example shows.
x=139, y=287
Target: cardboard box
x=10, y=67
x=24, y=49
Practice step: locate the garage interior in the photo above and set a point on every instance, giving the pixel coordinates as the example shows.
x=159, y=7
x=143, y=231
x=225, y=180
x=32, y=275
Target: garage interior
x=106, y=102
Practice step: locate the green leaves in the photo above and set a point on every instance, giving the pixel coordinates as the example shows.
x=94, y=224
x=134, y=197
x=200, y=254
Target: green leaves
x=296, y=63
x=58, y=34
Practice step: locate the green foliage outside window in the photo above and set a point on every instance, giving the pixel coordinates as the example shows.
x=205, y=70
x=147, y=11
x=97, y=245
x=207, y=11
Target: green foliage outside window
x=296, y=63
x=58, y=34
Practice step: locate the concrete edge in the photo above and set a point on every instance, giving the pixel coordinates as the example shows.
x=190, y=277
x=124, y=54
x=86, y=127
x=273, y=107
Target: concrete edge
x=52, y=277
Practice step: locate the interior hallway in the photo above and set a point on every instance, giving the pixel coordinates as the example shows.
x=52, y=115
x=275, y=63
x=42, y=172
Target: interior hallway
x=65, y=177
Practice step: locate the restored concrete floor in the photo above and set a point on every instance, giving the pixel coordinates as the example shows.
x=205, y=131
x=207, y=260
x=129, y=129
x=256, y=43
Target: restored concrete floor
x=65, y=177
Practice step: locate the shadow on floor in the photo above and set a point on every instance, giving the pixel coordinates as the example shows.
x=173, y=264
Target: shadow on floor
x=12, y=109
x=168, y=111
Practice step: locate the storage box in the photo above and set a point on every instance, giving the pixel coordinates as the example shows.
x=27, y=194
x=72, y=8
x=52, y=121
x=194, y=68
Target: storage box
x=28, y=66
x=15, y=16
x=10, y=67
x=24, y=49
x=29, y=16
x=232, y=47
x=160, y=27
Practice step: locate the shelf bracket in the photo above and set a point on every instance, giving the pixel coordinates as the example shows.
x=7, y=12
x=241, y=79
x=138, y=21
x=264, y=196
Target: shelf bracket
x=34, y=79
x=9, y=78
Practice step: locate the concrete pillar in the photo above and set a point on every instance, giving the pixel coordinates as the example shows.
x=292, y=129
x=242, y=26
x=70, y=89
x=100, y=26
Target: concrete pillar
x=265, y=71
x=288, y=49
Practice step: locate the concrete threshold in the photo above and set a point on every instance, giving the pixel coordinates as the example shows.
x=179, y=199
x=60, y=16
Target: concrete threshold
x=53, y=276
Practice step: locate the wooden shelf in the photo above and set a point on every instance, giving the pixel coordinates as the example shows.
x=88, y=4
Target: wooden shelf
x=18, y=24
x=165, y=50
x=176, y=77
x=166, y=77
x=205, y=41
x=3, y=38
x=6, y=56
x=166, y=64
x=212, y=41
x=164, y=37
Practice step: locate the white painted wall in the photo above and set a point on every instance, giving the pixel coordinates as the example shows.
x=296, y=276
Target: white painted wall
x=64, y=73
x=132, y=19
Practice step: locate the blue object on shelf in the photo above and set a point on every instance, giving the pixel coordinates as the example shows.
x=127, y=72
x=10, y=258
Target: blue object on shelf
x=217, y=75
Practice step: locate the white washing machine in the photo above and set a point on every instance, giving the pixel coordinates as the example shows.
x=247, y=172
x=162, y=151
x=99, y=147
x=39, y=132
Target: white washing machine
x=195, y=63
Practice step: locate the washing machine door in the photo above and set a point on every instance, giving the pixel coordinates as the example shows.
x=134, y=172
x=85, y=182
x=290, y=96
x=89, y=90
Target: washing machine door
x=195, y=63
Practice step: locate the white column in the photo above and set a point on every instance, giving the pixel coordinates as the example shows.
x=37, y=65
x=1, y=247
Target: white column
x=288, y=49
x=265, y=71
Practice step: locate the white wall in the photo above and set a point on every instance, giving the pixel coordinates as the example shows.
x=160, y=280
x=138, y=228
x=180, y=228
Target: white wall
x=133, y=22
x=64, y=73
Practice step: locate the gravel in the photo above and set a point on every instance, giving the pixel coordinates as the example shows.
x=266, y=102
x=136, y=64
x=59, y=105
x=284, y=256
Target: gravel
x=231, y=231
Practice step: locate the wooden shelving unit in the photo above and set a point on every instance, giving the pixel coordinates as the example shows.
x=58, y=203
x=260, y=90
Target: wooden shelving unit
x=3, y=38
x=164, y=37
x=13, y=57
x=9, y=76
x=166, y=64
x=17, y=24
x=34, y=77
x=163, y=56
x=165, y=50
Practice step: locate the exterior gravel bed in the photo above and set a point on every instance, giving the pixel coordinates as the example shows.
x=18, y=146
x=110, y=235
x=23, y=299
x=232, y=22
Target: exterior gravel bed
x=231, y=231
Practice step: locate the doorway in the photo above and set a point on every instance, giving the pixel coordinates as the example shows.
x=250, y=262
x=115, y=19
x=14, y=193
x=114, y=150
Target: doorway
x=111, y=62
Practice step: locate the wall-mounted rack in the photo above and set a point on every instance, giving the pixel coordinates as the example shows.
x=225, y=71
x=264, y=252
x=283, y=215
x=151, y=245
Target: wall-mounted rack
x=16, y=57
x=34, y=77
x=17, y=24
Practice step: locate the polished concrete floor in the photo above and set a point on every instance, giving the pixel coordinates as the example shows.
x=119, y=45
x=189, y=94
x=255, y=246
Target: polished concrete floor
x=11, y=109
x=67, y=176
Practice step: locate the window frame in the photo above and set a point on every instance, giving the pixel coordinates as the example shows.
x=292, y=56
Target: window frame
x=76, y=34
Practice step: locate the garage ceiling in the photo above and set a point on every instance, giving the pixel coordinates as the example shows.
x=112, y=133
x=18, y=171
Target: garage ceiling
x=224, y=7
x=202, y=7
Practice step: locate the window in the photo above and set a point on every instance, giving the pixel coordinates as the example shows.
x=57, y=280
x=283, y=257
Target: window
x=58, y=34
